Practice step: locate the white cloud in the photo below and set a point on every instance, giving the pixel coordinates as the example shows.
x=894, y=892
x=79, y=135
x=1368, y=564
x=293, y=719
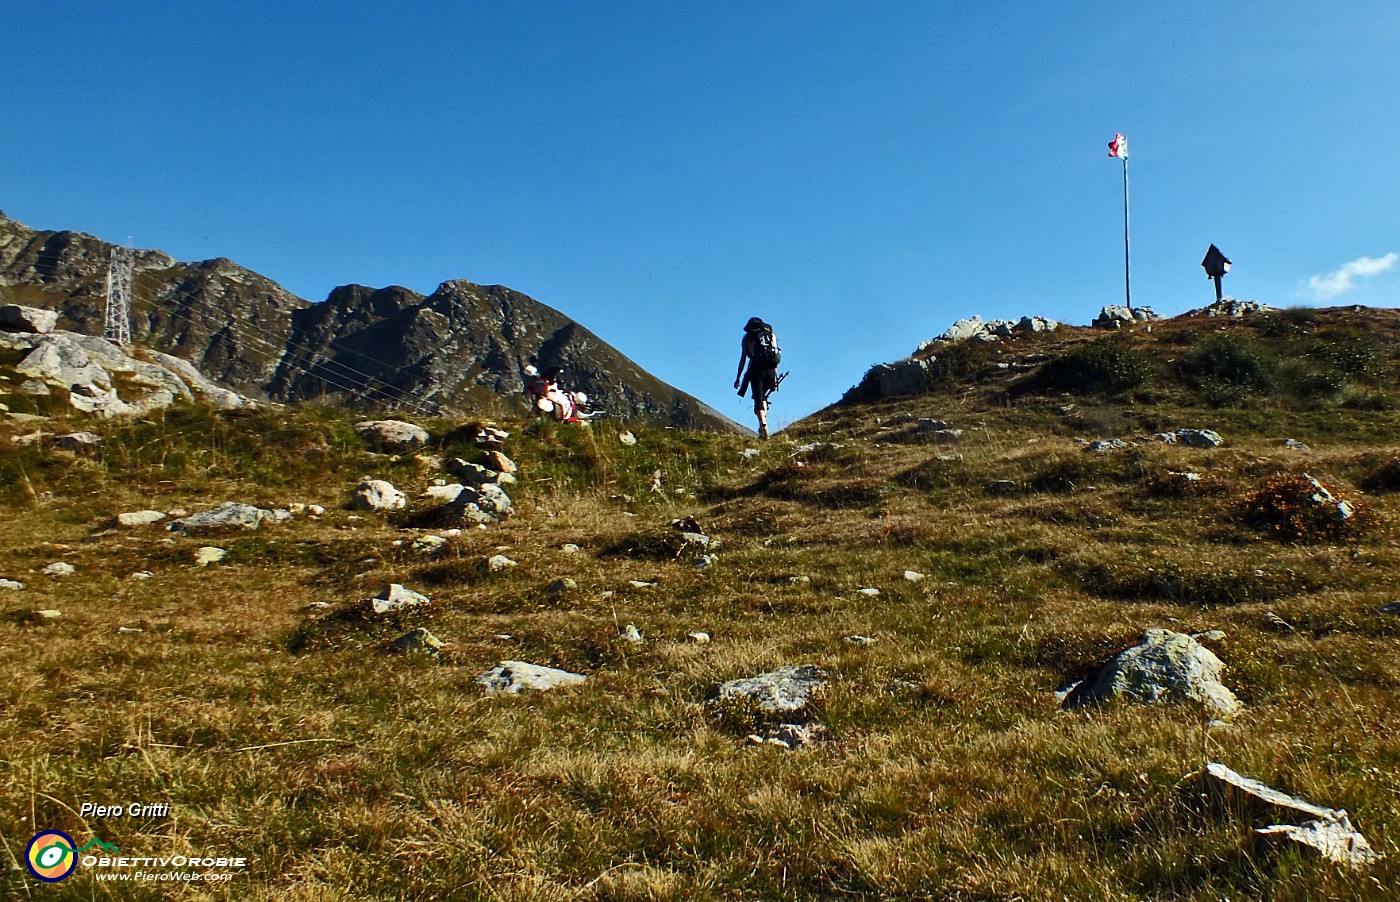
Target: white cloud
x=1344, y=279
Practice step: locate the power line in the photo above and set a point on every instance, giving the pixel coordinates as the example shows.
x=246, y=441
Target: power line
x=329, y=369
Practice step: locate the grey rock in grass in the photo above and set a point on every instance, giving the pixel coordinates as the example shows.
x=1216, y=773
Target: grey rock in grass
x=914, y=576
x=227, y=517
x=515, y=677
x=498, y=563
x=627, y=438
x=1321, y=497
x=631, y=635
x=140, y=518
x=60, y=568
x=566, y=584
x=1115, y=316
x=1167, y=666
x=1232, y=307
x=429, y=544
x=927, y=424
x=1391, y=608
x=859, y=640
x=1294, y=445
x=783, y=691
x=392, y=435
x=790, y=735
x=1325, y=831
x=470, y=473
x=394, y=598
x=49, y=614
x=704, y=561
x=142, y=574
x=491, y=437
x=31, y=320
x=34, y=388
x=1199, y=438
x=478, y=504
x=377, y=495
x=905, y=377
x=1100, y=446
x=443, y=493
x=12, y=584
x=1034, y=324
x=78, y=442
x=570, y=548
x=418, y=640
x=699, y=637
x=209, y=554
x=1003, y=488
x=869, y=592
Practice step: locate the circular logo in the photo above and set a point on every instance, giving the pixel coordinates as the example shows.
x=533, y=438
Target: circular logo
x=50, y=856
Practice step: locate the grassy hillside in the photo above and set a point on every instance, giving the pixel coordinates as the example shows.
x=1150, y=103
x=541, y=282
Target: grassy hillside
x=948, y=771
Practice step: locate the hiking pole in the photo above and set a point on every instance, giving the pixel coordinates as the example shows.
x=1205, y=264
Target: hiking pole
x=777, y=382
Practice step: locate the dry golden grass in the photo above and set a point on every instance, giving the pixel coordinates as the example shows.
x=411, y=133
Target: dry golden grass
x=342, y=771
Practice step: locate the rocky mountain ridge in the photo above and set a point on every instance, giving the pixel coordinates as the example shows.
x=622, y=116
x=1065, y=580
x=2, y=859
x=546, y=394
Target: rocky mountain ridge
x=462, y=348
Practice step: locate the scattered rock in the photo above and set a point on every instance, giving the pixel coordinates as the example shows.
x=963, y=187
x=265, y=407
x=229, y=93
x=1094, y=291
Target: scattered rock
x=12, y=585
x=377, y=495
x=443, y=493
x=477, y=504
x=1115, y=316
x=914, y=576
x=698, y=637
x=499, y=562
x=632, y=635
x=392, y=435
x=1166, y=666
x=394, y=598
x=1198, y=438
x=1233, y=308
x=34, y=388
x=750, y=453
x=800, y=580
x=705, y=560
x=859, y=640
x=1325, y=831
x=142, y=574
x=78, y=442
x=491, y=437
x=905, y=377
x=209, y=554
x=1294, y=445
x=497, y=461
x=871, y=592
x=59, y=568
x=31, y=320
x=570, y=548
x=418, y=640
x=515, y=677
x=627, y=438
x=48, y=614
x=429, y=544
x=129, y=629
x=1391, y=608
x=1099, y=446
x=641, y=584
x=227, y=517
x=1003, y=488
x=140, y=518
x=567, y=584
x=784, y=691
x=790, y=735
x=930, y=425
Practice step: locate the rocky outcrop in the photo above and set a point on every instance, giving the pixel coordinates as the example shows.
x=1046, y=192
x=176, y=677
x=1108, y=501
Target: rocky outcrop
x=462, y=348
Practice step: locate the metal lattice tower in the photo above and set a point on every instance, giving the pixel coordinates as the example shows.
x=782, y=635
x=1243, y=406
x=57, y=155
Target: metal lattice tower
x=119, y=295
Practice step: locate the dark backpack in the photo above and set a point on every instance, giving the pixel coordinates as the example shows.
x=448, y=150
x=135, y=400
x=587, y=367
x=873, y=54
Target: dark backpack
x=766, y=355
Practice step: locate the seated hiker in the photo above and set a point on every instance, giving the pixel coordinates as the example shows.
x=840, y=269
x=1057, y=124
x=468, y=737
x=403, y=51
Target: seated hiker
x=759, y=349
x=551, y=398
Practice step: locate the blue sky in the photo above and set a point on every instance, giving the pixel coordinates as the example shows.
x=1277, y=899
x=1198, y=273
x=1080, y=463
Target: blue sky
x=859, y=174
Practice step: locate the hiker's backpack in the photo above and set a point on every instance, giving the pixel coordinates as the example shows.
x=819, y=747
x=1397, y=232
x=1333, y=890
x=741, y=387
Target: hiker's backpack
x=766, y=355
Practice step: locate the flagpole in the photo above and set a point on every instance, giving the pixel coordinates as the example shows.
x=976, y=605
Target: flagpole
x=1127, y=270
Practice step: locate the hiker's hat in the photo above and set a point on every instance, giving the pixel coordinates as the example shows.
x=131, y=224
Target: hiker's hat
x=754, y=324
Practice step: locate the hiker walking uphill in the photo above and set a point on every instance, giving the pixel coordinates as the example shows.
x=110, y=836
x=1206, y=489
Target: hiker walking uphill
x=759, y=350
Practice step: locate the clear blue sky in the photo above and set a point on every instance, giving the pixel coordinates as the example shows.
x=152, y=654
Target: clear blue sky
x=859, y=174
